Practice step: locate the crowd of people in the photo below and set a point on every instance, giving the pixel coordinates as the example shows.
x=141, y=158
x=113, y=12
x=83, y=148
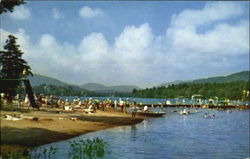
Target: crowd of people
x=88, y=104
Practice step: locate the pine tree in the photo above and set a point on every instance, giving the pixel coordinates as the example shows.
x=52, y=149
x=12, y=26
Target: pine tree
x=12, y=66
x=8, y=5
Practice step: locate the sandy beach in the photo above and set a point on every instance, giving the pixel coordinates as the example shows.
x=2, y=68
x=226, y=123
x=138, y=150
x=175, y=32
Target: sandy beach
x=53, y=124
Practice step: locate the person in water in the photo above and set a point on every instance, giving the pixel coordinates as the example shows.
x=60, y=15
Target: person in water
x=207, y=116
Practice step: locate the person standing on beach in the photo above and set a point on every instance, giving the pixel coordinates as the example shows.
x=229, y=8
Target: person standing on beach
x=121, y=103
x=133, y=111
x=115, y=104
x=145, y=108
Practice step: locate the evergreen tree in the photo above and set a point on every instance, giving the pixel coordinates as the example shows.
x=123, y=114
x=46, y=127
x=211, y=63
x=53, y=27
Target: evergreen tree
x=12, y=66
x=8, y=5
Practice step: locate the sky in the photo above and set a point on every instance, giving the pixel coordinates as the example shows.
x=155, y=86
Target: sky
x=142, y=43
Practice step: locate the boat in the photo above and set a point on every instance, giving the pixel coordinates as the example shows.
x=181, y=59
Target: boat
x=151, y=114
x=184, y=112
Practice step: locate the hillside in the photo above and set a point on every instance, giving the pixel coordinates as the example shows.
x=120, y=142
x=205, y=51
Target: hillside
x=124, y=88
x=240, y=76
x=224, y=90
x=37, y=80
x=40, y=79
x=109, y=89
x=93, y=86
x=174, y=82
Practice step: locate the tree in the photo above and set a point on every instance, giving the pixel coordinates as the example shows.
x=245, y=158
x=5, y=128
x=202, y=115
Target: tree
x=134, y=91
x=8, y=5
x=12, y=66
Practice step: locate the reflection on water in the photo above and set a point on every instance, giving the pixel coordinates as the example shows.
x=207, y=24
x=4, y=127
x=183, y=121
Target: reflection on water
x=175, y=136
x=145, y=124
x=133, y=133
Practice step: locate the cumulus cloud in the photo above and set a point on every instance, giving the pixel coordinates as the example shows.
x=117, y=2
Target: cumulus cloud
x=210, y=13
x=57, y=14
x=20, y=12
x=87, y=12
x=222, y=39
x=137, y=56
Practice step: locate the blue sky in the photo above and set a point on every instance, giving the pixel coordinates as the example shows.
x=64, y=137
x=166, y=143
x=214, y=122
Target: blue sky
x=117, y=15
x=141, y=43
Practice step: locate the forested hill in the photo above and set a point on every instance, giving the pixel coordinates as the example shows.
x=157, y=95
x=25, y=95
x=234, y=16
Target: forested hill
x=230, y=86
x=40, y=79
x=109, y=89
x=240, y=76
x=231, y=90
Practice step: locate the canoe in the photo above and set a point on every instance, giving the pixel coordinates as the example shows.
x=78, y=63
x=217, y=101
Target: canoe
x=151, y=114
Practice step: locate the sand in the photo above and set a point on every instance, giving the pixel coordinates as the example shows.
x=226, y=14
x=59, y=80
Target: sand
x=55, y=125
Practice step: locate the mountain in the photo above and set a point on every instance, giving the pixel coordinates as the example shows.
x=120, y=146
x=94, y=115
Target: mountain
x=240, y=76
x=109, y=89
x=174, y=82
x=37, y=80
x=40, y=79
x=124, y=88
x=93, y=86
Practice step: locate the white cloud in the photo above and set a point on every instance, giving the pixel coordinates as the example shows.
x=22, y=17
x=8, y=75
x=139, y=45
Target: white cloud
x=93, y=47
x=57, y=14
x=132, y=51
x=219, y=41
x=139, y=57
x=4, y=34
x=20, y=12
x=210, y=13
x=87, y=12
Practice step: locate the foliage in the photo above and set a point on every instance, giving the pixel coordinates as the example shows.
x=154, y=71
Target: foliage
x=231, y=90
x=239, y=76
x=15, y=155
x=8, y=5
x=43, y=153
x=91, y=149
x=35, y=153
x=11, y=60
x=12, y=66
x=81, y=149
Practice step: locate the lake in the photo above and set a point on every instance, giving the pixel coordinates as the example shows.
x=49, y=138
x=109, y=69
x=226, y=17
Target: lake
x=175, y=136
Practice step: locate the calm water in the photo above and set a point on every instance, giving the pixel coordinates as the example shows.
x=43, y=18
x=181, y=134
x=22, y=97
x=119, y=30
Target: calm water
x=174, y=136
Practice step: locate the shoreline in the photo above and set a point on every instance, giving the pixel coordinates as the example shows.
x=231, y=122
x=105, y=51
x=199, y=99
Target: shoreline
x=55, y=125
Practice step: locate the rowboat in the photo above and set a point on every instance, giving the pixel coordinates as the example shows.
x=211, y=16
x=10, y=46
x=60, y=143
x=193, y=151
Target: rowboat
x=151, y=114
